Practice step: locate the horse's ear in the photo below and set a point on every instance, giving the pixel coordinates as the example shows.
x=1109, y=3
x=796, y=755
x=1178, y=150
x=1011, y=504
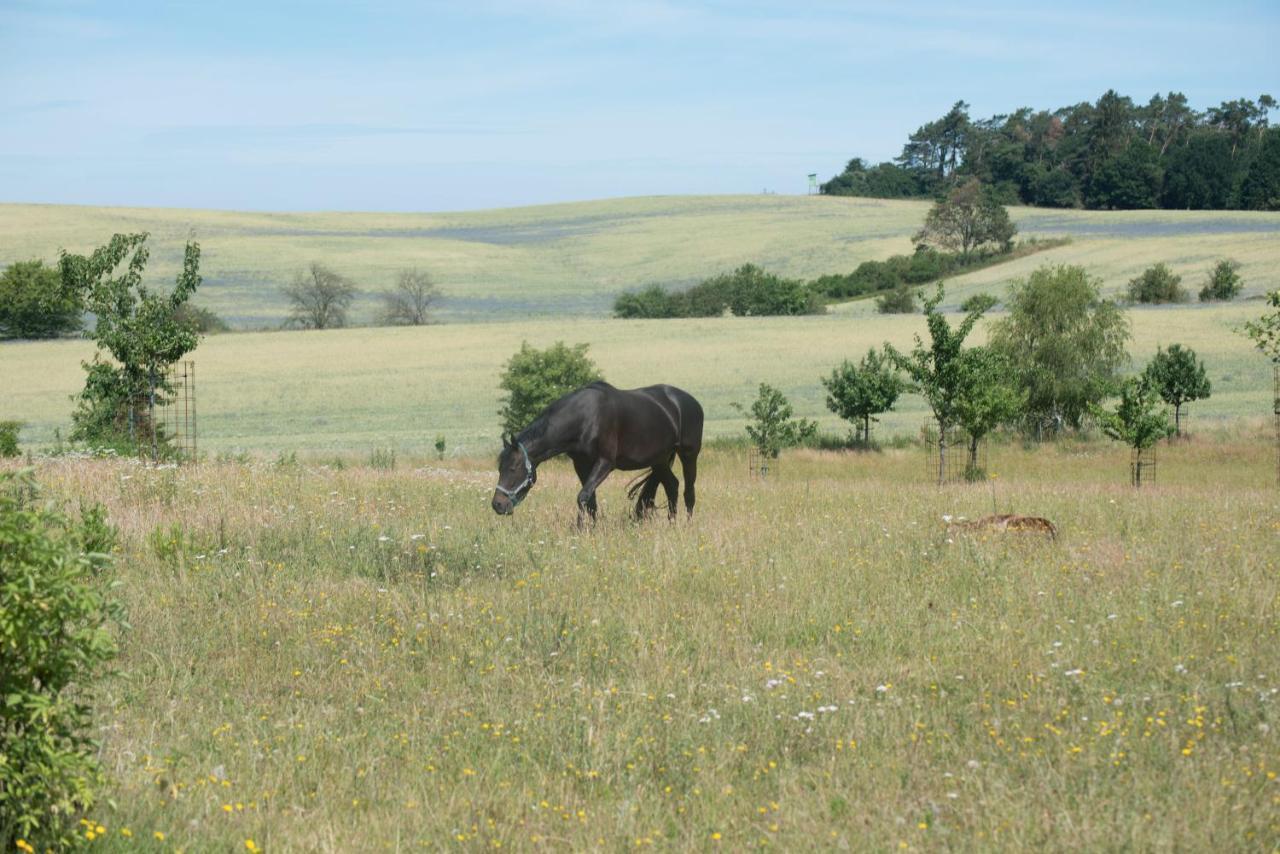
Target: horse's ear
x=506, y=442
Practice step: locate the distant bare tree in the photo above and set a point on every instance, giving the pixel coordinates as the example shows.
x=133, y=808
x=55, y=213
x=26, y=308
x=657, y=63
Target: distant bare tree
x=410, y=302
x=319, y=298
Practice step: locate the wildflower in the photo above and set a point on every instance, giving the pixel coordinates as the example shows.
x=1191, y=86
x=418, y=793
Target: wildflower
x=159, y=836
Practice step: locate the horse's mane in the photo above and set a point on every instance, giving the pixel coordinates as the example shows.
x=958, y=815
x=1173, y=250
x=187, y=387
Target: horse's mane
x=538, y=428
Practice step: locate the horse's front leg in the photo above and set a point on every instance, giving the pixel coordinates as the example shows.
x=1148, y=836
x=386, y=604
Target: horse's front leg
x=587, y=495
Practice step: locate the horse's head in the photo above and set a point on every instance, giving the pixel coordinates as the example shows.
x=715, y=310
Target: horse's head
x=516, y=475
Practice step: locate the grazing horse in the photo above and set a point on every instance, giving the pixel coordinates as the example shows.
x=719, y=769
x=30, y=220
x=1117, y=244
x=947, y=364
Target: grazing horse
x=602, y=428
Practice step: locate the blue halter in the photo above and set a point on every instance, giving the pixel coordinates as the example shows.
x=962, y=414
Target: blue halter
x=514, y=494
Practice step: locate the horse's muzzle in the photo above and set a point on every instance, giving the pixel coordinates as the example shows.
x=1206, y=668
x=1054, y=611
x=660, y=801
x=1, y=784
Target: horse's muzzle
x=502, y=505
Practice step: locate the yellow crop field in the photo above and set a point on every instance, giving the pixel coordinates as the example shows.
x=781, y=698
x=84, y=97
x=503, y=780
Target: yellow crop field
x=573, y=259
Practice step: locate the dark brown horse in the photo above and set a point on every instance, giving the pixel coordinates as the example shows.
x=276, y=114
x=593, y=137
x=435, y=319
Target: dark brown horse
x=602, y=428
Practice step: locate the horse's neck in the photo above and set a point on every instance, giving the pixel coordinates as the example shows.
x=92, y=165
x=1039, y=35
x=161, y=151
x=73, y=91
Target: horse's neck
x=543, y=446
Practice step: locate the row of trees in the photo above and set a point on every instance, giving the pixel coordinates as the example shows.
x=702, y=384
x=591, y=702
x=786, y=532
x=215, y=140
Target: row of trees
x=320, y=298
x=966, y=229
x=1050, y=364
x=1110, y=154
x=37, y=302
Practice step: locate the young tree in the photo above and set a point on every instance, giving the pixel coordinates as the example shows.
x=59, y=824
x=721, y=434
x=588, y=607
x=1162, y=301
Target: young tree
x=967, y=219
x=1179, y=378
x=412, y=299
x=858, y=393
x=937, y=369
x=535, y=378
x=1224, y=282
x=1157, y=284
x=988, y=399
x=1065, y=343
x=142, y=332
x=34, y=304
x=319, y=298
x=1265, y=331
x=1135, y=421
x=774, y=428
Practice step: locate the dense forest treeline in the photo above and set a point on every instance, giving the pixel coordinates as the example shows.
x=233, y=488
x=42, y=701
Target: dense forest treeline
x=1110, y=155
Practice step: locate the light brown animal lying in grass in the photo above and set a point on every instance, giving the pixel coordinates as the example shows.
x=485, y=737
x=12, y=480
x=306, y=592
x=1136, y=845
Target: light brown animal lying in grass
x=1003, y=522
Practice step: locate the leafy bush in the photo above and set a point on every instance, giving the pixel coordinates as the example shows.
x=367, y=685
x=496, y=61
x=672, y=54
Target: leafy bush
x=1063, y=341
x=1224, y=282
x=756, y=293
x=9, y=438
x=748, y=291
x=534, y=378
x=1157, y=284
x=900, y=300
x=200, y=319
x=773, y=428
x=653, y=301
x=55, y=638
x=34, y=304
x=979, y=302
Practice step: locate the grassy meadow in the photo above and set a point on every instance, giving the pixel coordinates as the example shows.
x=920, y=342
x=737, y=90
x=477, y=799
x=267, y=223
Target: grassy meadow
x=573, y=259
x=324, y=658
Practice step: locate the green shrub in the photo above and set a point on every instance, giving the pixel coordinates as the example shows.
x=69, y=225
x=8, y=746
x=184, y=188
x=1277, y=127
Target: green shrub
x=55, y=639
x=1157, y=284
x=535, y=378
x=9, y=438
x=34, y=304
x=979, y=302
x=653, y=301
x=900, y=300
x=200, y=319
x=1224, y=282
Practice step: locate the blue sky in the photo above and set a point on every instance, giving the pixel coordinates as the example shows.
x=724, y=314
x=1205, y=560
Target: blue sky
x=447, y=106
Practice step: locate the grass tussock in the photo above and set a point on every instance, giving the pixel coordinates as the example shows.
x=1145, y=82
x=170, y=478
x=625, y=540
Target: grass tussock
x=328, y=658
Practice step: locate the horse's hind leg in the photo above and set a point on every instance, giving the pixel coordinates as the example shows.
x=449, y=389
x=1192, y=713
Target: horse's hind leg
x=672, y=485
x=648, y=490
x=689, y=465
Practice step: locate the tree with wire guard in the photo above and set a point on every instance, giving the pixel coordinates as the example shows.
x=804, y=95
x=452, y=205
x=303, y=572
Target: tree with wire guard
x=1136, y=421
x=858, y=393
x=936, y=370
x=141, y=331
x=1179, y=378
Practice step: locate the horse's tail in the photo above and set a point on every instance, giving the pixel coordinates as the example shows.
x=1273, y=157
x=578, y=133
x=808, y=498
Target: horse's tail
x=637, y=483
